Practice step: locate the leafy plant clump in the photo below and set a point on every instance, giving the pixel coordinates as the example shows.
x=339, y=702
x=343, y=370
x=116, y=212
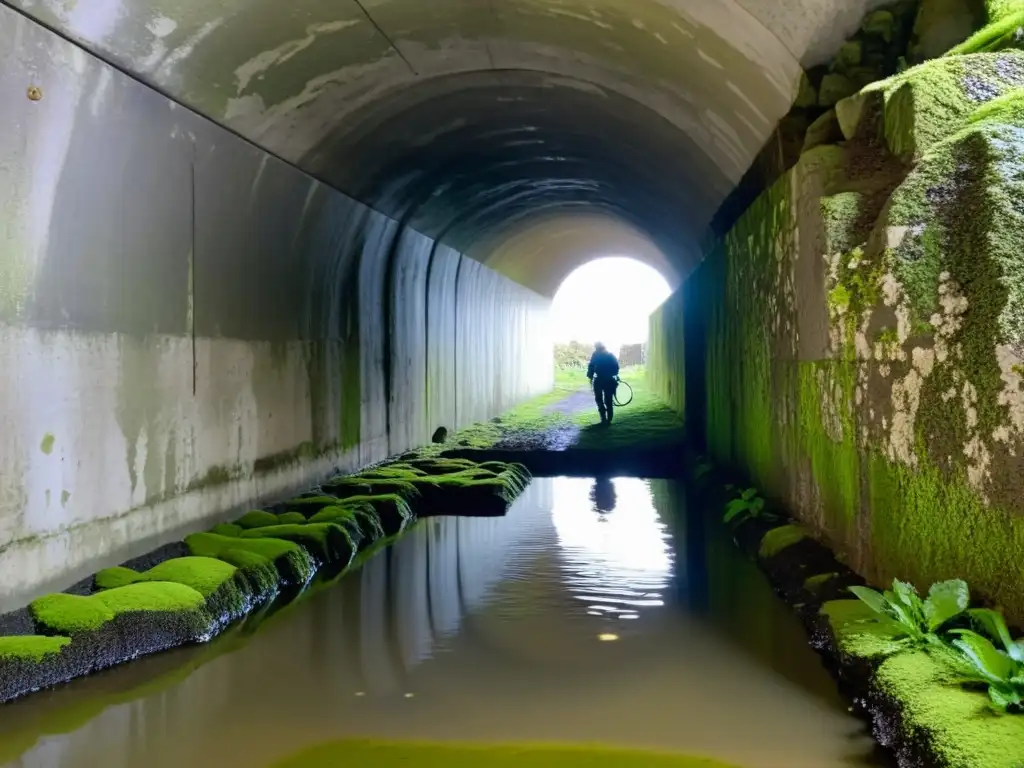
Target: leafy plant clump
x=747, y=505
x=921, y=621
x=1001, y=669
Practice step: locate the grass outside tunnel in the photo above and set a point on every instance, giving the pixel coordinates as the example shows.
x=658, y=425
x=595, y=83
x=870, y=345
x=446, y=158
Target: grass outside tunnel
x=570, y=412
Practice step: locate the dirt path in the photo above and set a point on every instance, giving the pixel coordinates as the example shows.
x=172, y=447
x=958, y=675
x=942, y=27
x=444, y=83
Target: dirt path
x=573, y=404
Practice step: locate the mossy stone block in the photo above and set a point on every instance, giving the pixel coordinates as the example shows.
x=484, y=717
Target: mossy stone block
x=940, y=25
x=849, y=55
x=881, y=24
x=835, y=87
x=806, y=95
x=30, y=647
x=958, y=723
x=860, y=632
x=824, y=130
x=779, y=539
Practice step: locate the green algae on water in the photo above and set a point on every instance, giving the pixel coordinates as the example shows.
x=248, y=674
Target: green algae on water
x=426, y=755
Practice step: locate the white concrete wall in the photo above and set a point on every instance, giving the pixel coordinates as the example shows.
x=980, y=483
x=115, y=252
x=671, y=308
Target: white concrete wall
x=188, y=324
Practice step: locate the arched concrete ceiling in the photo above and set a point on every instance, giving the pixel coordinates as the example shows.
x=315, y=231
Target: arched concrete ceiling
x=547, y=249
x=467, y=118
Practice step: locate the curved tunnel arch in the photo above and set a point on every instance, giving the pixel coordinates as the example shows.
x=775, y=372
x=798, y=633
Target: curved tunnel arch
x=649, y=112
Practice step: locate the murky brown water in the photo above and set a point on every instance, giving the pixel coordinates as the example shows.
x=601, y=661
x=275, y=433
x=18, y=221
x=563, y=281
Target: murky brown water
x=637, y=626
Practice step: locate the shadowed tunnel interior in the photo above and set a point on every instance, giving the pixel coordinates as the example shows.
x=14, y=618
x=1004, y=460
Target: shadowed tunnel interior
x=247, y=241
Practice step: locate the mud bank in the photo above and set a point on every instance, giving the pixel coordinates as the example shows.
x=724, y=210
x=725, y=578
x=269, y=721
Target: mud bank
x=920, y=706
x=191, y=591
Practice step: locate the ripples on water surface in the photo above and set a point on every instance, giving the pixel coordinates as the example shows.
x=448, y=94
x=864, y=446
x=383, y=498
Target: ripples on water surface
x=595, y=612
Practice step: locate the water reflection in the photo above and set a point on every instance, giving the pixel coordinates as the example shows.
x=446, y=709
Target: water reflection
x=570, y=619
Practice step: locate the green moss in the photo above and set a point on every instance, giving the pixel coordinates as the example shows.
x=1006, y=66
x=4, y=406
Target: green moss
x=112, y=578
x=291, y=518
x=850, y=54
x=779, y=539
x=998, y=35
x=257, y=569
x=344, y=753
x=70, y=614
x=879, y=24
x=46, y=446
x=30, y=647
x=256, y=518
x=204, y=574
x=860, y=633
x=959, y=724
x=917, y=529
x=227, y=529
x=814, y=583
x=806, y=95
x=312, y=502
x=834, y=88
x=327, y=541
x=291, y=560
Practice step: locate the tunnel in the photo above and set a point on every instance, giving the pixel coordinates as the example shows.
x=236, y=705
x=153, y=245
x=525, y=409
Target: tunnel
x=246, y=244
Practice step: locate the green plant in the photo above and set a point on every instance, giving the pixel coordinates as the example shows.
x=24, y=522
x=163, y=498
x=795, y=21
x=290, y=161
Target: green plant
x=1001, y=670
x=747, y=504
x=920, y=620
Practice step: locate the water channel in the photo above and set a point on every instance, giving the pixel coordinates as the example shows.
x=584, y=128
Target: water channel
x=595, y=611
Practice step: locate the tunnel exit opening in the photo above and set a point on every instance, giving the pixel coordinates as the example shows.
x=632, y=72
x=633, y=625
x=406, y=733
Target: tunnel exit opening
x=607, y=300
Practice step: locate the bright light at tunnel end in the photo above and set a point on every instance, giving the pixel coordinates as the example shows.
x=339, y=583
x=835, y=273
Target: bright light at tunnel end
x=608, y=299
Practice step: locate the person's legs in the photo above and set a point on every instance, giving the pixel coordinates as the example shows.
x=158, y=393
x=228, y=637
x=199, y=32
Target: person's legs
x=609, y=397
x=599, y=399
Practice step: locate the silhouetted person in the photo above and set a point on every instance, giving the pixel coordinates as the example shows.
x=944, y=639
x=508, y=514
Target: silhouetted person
x=603, y=494
x=603, y=373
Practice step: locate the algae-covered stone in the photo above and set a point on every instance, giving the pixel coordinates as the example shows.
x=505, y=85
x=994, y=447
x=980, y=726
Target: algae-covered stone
x=849, y=55
x=861, y=633
x=958, y=724
x=806, y=95
x=880, y=24
x=835, y=87
x=824, y=130
x=919, y=107
x=71, y=614
x=779, y=539
x=940, y=25
x=31, y=647
x=256, y=518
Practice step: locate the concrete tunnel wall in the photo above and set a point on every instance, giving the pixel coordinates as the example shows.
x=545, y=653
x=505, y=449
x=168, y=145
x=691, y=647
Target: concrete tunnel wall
x=188, y=323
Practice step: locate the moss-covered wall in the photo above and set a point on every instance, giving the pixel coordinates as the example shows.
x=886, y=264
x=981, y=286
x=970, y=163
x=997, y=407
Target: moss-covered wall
x=860, y=331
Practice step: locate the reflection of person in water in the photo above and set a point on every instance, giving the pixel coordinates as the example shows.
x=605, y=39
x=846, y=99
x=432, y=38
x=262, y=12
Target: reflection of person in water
x=603, y=495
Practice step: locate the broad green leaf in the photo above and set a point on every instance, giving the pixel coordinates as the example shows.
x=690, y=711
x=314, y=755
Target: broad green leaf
x=749, y=494
x=905, y=616
x=1016, y=651
x=758, y=505
x=946, y=599
x=874, y=600
x=987, y=660
x=734, y=509
x=992, y=624
x=1003, y=697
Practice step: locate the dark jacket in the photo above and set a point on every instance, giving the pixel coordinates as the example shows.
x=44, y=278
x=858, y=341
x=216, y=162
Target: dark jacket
x=603, y=365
